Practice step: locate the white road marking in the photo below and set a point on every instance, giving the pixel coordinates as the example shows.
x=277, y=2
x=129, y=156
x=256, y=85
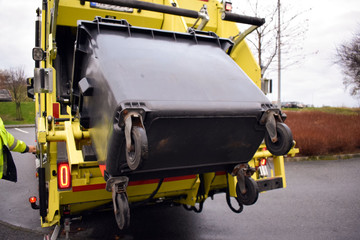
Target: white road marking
x=21, y=130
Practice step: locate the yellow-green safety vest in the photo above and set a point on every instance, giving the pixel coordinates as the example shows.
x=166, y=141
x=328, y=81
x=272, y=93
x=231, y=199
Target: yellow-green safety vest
x=6, y=139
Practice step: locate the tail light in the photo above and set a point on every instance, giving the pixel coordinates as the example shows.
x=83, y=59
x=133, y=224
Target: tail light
x=263, y=162
x=263, y=171
x=33, y=201
x=228, y=6
x=64, y=176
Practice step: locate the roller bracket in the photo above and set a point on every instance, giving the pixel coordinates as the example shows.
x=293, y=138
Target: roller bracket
x=271, y=127
x=269, y=119
x=203, y=16
x=117, y=184
x=132, y=118
x=241, y=171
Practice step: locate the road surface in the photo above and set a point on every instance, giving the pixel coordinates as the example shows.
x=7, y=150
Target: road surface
x=321, y=201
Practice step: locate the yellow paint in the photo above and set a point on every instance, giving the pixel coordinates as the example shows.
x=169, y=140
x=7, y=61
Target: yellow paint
x=88, y=173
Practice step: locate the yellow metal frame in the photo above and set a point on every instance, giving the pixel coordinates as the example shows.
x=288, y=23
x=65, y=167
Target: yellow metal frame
x=88, y=174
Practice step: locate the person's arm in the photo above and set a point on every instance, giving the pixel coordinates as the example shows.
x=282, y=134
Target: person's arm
x=32, y=149
x=16, y=145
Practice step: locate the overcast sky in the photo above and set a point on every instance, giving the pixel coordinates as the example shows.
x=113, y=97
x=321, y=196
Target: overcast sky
x=317, y=80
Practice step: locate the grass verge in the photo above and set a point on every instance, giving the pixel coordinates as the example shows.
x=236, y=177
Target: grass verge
x=8, y=113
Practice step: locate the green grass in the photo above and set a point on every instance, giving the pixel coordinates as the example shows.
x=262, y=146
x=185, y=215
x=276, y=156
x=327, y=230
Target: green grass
x=335, y=110
x=8, y=110
x=340, y=110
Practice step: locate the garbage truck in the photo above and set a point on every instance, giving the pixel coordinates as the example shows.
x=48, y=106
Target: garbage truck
x=150, y=102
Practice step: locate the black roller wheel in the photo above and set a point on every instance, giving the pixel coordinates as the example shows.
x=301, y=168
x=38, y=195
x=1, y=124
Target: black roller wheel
x=122, y=210
x=284, y=140
x=252, y=192
x=139, y=148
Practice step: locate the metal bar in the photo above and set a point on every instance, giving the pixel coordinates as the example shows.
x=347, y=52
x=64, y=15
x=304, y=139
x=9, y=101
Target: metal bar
x=151, y=7
x=74, y=156
x=54, y=18
x=268, y=184
x=61, y=135
x=243, y=35
x=279, y=167
x=233, y=17
x=279, y=54
x=38, y=33
x=263, y=154
x=55, y=233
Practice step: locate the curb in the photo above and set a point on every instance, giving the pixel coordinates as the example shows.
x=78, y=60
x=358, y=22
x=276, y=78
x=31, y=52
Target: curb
x=323, y=157
x=20, y=126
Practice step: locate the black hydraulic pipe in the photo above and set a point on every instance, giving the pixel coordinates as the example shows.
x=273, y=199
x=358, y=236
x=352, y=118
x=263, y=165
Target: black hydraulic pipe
x=42, y=193
x=56, y=120
x=38, y=33
x=233, y=17
x=136, y=204
x=151, y=7
x=45, y=8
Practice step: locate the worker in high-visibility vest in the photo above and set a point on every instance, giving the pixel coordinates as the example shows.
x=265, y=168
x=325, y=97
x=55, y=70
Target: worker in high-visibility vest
x=9, y=143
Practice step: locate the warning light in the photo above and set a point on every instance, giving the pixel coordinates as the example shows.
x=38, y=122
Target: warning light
x=228, y=6
x=64, y=177
x=263, y=162
x=32, y=199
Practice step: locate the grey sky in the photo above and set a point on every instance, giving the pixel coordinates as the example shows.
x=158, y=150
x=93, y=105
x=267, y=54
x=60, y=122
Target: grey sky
x=317, y=80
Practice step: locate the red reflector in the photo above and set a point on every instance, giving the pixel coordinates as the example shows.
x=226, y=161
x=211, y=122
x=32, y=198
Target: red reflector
x=32, y=199
x=56, y=110
x=228, y=6
x=102, y=168
x=263, y=162
x=64, y=177
x=204, y=0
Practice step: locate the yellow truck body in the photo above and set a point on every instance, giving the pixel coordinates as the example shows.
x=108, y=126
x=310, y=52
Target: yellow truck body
x=61, y=138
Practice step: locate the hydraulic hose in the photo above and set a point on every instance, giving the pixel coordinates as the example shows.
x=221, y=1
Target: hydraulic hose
x=151, y=196
x=233, y=17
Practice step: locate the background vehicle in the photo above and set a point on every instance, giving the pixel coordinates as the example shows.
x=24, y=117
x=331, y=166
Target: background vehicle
x=5, y=95
x=292, y=105
x=150, y=102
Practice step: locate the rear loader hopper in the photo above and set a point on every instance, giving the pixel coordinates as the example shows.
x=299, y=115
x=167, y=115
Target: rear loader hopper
x=164, y=116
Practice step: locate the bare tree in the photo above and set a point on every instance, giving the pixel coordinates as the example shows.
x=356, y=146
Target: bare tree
x=2, y=79
x=14, y=80
x=264, y=40
x=348, y=57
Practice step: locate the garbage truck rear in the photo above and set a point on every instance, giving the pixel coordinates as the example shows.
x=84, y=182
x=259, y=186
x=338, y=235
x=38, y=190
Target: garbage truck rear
x=148, y=102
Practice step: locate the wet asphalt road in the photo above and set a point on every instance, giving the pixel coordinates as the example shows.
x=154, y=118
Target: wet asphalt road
x=322, y=201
